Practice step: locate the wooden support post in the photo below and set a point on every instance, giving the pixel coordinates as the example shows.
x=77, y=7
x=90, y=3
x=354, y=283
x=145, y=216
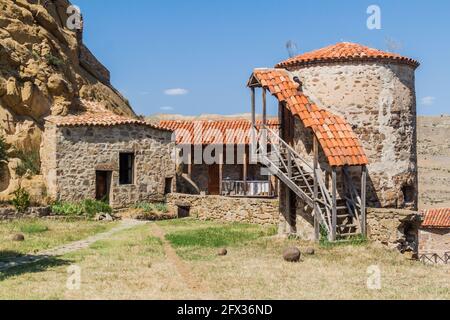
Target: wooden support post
x=316, y=190
x=221, y=173
x=289, y=164
x=281, y=119
x=264, y=101
x=363, y=200
x=191, y=160
x=253, y=108
x=334, y=214
x=245, y=173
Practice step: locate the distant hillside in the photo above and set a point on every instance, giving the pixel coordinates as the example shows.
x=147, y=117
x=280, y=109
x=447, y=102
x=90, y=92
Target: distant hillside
x=434, y=161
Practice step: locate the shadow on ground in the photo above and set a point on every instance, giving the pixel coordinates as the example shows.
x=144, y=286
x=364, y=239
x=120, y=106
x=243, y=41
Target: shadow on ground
x=33, y=264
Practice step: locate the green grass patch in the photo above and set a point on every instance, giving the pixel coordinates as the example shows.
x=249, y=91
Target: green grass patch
x=87, y=208
x=358, y=240
x=218, y=236
x=33, y=227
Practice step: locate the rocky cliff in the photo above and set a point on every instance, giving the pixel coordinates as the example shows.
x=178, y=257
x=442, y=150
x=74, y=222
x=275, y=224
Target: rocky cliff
x=45, y=69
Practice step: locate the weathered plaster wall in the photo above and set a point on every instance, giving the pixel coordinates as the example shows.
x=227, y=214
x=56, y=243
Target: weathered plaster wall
x=434, y=241
x=379, y=100
x=246, y=210
x=71, y=156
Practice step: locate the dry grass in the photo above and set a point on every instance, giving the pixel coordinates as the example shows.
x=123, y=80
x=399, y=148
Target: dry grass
x=133, y=265
x=41, y=234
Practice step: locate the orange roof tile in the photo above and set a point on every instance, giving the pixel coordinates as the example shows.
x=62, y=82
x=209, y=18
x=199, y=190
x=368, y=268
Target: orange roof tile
x=338, y=141
x=345, y=51
x=204, y=132
x=96, y=114
x=436, y=218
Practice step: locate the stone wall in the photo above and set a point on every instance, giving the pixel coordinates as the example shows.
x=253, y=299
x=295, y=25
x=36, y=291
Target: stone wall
x=379, y=100
x=245, y=210
x=34, y=212
x=436, y=241
x=395, y=228
x=72, y=155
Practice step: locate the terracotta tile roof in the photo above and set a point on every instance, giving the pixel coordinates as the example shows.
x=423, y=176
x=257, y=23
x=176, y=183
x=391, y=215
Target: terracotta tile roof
x=345, y=51
x=97, y=115
x=336, y=137
x=205, y=132
x=436, y=218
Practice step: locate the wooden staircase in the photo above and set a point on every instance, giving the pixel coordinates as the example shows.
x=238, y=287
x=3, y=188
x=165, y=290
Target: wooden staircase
x=339, y=217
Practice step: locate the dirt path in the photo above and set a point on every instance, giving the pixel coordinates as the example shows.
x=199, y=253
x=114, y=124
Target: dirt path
x=67, y=248
x=183, y=269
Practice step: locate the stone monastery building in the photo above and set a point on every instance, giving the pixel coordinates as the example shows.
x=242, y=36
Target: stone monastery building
x=345, y=139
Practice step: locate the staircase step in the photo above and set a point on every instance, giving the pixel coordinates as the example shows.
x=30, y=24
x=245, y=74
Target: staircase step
x=346, y=226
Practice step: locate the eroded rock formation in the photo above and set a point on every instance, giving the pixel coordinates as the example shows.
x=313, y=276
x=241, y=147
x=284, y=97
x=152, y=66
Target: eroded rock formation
x=45, y=69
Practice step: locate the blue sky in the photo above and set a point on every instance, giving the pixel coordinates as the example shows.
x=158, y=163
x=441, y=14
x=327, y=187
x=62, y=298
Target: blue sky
x=194, y=57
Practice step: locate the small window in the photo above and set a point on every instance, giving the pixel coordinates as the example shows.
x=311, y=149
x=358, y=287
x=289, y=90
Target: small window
x=126, y=168
x=408, y=194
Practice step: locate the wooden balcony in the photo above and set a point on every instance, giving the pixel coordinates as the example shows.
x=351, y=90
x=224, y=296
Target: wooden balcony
x=248, y=189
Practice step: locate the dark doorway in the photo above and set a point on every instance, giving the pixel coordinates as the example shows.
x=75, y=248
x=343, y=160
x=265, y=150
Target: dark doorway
x=168, y=186
x=102, y=185
x=213, y=180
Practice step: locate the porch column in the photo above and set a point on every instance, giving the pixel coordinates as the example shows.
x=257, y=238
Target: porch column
x=363, y=200
x=221, y=160
x=316, y=191
x=264, y=101
x=334, y=214
x=245, y=170
x=190, y=163
x=253, y=108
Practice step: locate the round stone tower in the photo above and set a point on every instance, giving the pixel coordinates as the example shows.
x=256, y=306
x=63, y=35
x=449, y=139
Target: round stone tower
x=375, y=92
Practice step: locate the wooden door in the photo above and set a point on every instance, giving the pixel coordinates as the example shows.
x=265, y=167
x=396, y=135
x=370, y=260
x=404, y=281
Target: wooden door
x=102, y=185
x=213, y=179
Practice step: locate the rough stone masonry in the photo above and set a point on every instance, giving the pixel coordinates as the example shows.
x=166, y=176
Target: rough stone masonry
x=378, y=99
x=71, y=156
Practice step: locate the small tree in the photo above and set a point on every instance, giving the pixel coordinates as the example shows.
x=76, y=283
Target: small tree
x=21, y=200
x=3, y=150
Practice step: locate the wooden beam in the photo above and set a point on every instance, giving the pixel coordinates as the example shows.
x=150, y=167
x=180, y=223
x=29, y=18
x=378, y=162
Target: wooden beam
x=334, y=211
x=221, y=173
x=245, y=170
x=316, y=190
x=264, y=101
x=253, y=108
x=363, y=200
x=289, y=164
x=190, y=163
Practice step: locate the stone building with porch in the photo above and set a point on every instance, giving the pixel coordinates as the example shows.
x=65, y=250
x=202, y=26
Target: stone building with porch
x=215, y=159
x=100, y=155
x=348, y=137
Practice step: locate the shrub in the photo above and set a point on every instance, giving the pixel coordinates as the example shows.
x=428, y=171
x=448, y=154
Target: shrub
x=54, y=61
x=21, y=200
x=30, y=161
x=3, y=150
x=87, y=208
x=92, y=207
x=67, y=209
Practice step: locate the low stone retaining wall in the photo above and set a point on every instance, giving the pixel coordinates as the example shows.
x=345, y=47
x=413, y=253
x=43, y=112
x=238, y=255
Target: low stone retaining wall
x=397, y=229
x=34, y=212
x=246, y=210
